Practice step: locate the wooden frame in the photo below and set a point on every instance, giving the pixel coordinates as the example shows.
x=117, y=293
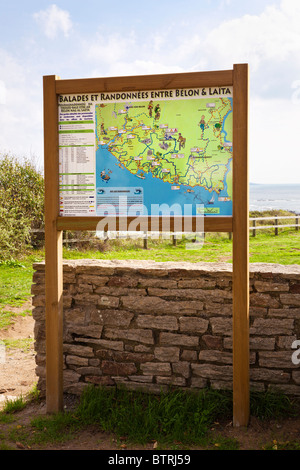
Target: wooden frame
x=238, y=223
x=211, y=224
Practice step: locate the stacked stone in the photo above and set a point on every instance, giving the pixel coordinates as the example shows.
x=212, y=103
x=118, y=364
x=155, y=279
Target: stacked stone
x=151, y=326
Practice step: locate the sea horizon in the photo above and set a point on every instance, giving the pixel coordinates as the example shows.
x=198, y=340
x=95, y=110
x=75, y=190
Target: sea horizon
x=271, y=196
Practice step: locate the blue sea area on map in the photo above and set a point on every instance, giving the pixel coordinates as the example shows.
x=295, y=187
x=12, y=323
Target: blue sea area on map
x=155, y=191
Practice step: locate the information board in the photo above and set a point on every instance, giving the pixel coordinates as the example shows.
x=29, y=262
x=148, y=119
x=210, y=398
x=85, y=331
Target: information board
x=117, y=146
x=146, y=152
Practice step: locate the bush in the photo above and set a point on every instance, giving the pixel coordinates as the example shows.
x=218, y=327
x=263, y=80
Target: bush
x=21, y=204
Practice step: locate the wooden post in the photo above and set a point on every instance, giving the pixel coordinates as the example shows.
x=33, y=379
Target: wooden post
x=241, y=396
x=145, y=241
x=254, y=231
x=276, y=226
x=53, y=252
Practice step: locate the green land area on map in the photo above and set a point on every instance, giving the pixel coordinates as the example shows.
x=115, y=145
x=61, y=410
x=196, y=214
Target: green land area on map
x=182, y=142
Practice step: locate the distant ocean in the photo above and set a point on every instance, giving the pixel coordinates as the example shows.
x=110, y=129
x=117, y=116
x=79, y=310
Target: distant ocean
x=274, y=196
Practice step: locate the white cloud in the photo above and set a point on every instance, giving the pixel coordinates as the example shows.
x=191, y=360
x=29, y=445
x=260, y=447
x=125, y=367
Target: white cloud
x=54, y=20
x=20, y=110
x=2, y=92
x=273, y=141
x=140, y=67
x=119, y=55
x=110, y=48
x=265, y=41
x=273, y=35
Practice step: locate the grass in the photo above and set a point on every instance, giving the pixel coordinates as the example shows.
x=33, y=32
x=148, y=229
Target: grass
x=211, y=250
x=287, y=445
x=217, y=247
x=173, y=420
x=281, y=249
x=15, y=287
x=166, y=418
x=22, y=343
x=176, y=419
x=13, y=406
x=269, y=405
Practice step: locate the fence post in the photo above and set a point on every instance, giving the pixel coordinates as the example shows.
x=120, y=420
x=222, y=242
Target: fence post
x=276, y=226
x=297, y=223
x=254, y=231
x=145, y=241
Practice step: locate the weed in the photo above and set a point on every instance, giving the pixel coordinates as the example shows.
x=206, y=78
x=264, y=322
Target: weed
x=173, y=420
x=13, y=406
x=57, y=428
x=272, y=404
x=287, y=445
x=168, y=417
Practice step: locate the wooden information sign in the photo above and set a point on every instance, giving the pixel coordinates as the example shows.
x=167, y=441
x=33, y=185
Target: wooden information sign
x=138, y=151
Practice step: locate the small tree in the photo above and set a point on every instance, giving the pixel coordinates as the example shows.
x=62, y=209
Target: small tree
x=21, y=204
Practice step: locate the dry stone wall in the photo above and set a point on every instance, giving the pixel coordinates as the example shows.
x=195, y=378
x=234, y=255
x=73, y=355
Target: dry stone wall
x=151, y=326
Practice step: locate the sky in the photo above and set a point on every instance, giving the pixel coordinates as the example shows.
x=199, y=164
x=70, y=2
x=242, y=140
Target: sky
x=95, y=38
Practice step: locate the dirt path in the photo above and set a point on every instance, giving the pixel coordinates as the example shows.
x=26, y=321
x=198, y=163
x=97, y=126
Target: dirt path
x=17, y=367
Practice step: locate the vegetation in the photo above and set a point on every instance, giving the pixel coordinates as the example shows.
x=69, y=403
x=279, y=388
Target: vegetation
x=215, y=247
x=23, y=343
x=174, y=420
x=13, y=406
x=15, y=288
x=21, y=204
x=175, y=416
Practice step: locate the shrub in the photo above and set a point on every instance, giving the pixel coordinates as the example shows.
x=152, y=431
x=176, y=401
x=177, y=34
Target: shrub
x=21, y=204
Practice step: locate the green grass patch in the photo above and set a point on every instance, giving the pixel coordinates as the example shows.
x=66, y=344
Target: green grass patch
x=173, y=420
x=270, y=404
x=281, y=249
x=23, y=343
x=211, y=249
x=15, y=284
x=6, y=417
x=13, y=406
x=176, y=419
x=60, y=428
x=6, y=318
x=15, y=287
x=216, y=247
x=277, y=445
x=165, y=418
x=223, y=443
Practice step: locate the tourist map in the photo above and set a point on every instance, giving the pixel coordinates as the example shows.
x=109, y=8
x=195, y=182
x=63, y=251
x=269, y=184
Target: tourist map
x=146, y=152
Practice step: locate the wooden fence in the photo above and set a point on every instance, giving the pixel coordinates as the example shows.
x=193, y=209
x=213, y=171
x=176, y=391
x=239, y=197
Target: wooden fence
x=274, y=226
